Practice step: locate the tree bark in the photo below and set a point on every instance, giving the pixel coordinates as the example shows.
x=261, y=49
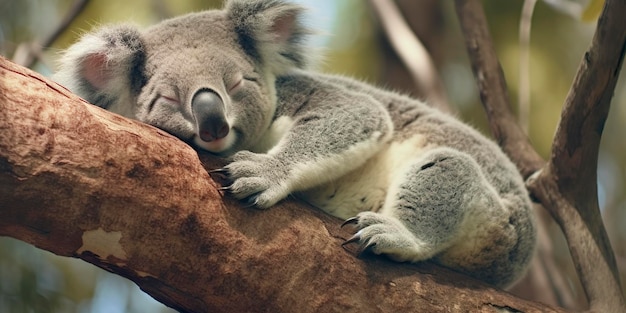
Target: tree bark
x=82, y=182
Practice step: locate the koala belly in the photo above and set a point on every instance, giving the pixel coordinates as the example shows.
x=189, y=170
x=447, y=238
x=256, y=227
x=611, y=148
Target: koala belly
x=365, y=188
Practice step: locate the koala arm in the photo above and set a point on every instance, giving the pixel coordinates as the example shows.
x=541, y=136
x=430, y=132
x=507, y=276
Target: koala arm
x=332, y=131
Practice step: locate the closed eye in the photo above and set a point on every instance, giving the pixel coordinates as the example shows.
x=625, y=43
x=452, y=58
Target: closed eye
x=171, y=99
x=235, y=86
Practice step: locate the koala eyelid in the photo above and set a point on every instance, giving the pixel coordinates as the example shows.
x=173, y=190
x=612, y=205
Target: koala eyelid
x=233, y=87
x=170, y=99
x=250, y=78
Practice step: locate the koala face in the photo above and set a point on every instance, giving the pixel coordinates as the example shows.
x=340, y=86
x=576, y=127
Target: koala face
x=207, y=78
x=202, y=87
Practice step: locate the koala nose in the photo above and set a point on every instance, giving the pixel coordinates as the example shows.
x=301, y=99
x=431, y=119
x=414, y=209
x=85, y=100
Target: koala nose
x=208, y=110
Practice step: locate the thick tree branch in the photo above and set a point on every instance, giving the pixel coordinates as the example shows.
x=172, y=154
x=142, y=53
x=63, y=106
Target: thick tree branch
x=493, y=90
x=574, y=160
x=82, y=182
x=567, y=185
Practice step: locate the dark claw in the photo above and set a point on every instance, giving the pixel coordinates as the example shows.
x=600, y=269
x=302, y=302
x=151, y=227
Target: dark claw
x=366, y=248
x=352, y=220
x=220, y=175
x=249, y=201
x=355, y=238
x=218, y=171
x=248, y=205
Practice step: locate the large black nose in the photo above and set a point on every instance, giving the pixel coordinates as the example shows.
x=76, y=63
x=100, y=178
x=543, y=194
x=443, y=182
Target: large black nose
x=208, y=110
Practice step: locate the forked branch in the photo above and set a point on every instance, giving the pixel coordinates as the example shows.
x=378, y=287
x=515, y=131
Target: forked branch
x=566, y=186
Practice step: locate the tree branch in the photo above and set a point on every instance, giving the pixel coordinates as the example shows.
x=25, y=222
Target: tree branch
x=412, y=53
x=525, y=24
x=572, y=169
x=493, y=90
x=567, y=185
x=27, y=53
x=82, y=182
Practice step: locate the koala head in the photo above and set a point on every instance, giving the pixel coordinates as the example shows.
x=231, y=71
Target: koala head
x=207, y=78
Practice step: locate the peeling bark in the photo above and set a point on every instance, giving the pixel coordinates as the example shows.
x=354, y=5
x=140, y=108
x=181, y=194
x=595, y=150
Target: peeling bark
x=82, y=182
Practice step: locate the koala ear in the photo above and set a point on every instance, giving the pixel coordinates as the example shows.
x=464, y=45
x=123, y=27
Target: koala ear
x=104, y=67
x=270, y=31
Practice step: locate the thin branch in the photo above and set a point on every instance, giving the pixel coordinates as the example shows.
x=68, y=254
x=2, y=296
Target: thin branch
x=555, y=275
x=494, y=95
x=412, y=53
x=524, y=63
x=28, y=53
x=493, y=90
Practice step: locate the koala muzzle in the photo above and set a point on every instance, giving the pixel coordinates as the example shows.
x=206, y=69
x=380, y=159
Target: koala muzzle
x=208, y=110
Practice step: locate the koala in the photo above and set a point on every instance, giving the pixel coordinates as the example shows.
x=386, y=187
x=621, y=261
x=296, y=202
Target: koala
x=415, y=183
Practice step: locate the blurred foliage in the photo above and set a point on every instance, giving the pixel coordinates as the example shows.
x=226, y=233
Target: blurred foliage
x=32, y=280
x=352, y=49
x=593, y=10
x=140, y=12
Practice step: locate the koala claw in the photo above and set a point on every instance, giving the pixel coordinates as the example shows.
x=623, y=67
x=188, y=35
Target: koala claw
x=355, y=238
x=220, y=170
x=353, y=220
x=250, y=201
x=364, y=247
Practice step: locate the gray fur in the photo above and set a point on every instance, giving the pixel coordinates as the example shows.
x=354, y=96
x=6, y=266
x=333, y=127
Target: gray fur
x=422, y=184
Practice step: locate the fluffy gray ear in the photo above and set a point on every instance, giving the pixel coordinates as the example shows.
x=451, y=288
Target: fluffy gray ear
x=104, y=67
x=271, y=31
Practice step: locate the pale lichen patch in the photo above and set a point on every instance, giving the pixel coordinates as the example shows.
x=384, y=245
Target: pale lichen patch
x=103, y=243
x=144, y=274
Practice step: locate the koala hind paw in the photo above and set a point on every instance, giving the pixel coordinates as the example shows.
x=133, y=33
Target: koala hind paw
x=384, y=235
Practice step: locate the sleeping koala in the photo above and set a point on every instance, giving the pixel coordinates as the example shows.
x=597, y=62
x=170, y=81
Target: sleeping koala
x=416, y=183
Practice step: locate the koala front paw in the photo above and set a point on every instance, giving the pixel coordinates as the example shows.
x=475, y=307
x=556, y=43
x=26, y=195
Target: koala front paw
x=381, y=234
x=257, y=179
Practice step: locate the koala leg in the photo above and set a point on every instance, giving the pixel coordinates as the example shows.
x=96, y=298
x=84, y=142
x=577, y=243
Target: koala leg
x=441, y=197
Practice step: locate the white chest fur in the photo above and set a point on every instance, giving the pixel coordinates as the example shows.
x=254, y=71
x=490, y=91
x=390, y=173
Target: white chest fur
x=365, y=188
